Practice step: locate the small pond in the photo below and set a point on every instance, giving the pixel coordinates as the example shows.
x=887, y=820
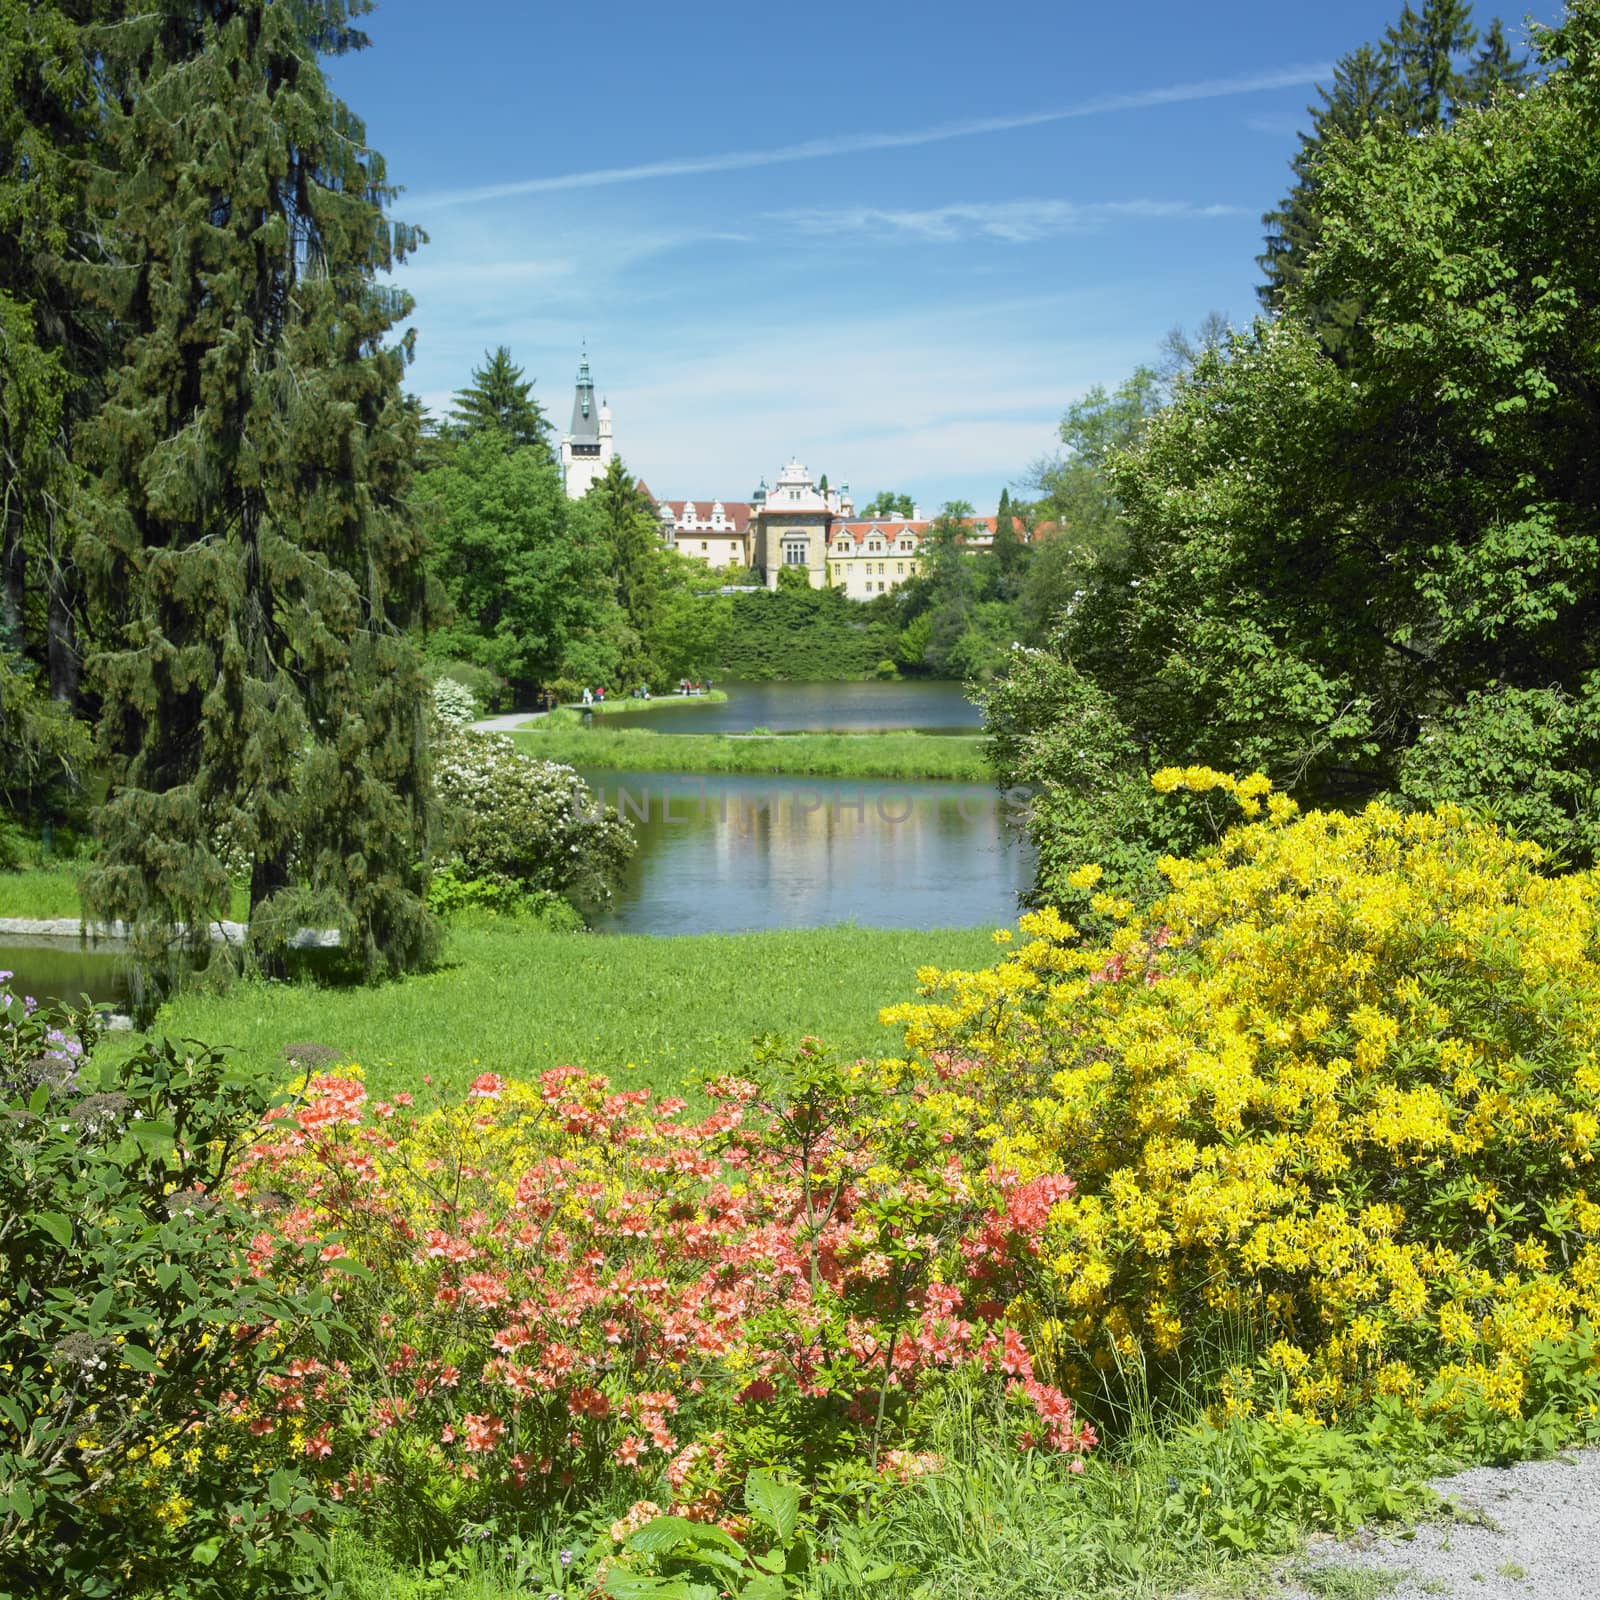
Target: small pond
x=722, y=854
x=64, y=969
x=926, y=705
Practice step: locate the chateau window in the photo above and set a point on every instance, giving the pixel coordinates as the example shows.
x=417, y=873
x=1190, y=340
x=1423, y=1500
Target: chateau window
x=900, y=569
x=880, y=572
x=703, y=545
x=794, y=555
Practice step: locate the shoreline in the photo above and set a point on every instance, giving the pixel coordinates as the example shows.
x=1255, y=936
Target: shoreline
x=954, y=758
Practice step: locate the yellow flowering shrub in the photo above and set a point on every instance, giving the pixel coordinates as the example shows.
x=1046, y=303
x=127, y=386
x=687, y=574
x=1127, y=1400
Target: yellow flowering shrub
x=1330, y=1101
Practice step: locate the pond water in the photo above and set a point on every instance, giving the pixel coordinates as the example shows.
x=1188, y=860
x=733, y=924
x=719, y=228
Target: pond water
x=62, y=969
x=722, y=854
x=928, y=706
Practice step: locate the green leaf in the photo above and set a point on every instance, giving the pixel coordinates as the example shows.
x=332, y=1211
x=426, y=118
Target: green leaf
x=662, y=1534
x=57, y=1226
x=765, y=1587
x=139, y=1358
x=623, y=1585
x=21, y=1502
x=776, y=1503
x=206, y=1552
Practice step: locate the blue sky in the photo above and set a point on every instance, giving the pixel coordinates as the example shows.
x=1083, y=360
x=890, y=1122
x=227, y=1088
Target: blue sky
x=893, y=240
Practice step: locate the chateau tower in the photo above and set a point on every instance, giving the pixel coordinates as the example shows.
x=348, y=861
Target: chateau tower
x=791, y=525
x=586, y=447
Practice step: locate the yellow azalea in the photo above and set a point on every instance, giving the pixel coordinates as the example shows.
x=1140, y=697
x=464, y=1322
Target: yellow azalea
x=1301, y=1095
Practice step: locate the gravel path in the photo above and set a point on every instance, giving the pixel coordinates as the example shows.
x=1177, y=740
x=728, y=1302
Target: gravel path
x=508, y=723
x=1528, y=1532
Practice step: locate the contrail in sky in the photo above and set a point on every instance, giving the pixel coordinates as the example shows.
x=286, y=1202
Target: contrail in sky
x=857, y=143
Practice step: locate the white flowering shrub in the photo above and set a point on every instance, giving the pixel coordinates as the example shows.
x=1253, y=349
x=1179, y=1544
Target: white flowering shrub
x=513, y=820
x=453, y=703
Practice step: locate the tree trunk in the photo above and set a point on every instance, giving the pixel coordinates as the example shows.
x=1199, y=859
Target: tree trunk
x=64, y=662
x=13, y=578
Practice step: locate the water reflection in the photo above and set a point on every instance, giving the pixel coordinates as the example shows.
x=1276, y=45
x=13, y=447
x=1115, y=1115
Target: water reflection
x=725, y=854
x=63, y=969
x=817, y=707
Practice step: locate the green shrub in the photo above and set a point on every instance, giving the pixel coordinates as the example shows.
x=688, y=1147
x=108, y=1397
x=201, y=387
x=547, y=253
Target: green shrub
x=803, y=633
x=452, y=703
x=525, y=823
x=129, y=1322
x=451, y=894
x=489, y=689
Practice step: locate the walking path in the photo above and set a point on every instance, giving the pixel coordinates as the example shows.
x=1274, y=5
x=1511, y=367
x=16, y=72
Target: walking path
x=508, y=723
x=1527, y=1532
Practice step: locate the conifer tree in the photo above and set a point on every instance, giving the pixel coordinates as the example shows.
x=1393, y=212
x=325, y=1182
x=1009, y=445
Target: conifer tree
x=48, y=354
x=499, y=400
x=1495, y=70
x=629, y=526
x=1007, y=546
x=1412, y=81
x=262, y=708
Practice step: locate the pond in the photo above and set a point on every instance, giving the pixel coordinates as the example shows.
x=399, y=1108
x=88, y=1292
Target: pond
x=926, y=705
x=62, y=969
x=723, y=854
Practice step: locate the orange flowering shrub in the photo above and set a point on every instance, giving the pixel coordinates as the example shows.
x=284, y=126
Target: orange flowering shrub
x=554, y=1286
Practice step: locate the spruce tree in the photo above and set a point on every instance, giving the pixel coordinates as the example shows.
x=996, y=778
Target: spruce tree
x=49, y=352
x=1412, y=81
x=500, y=401
x=262, y=709
x=1426, y=50
x=1495, y=70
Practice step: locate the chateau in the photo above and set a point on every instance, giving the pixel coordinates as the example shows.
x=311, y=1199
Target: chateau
x=586, y=447
x=797, y=523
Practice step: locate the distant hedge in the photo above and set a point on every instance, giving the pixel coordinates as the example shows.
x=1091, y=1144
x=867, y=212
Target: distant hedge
x=805, y=634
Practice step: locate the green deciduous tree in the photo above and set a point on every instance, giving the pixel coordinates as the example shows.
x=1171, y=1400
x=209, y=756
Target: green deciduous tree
x=500, y=401
x=1418, y=77
x=521, y=582
x=248, y=535
x=1379, y=571
x=889, y=504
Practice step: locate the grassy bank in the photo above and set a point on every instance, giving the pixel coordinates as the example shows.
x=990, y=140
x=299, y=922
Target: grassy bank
x=517, y=999
x=42, y=891
x=957, y=758
x=53, y=892
x=660, y=702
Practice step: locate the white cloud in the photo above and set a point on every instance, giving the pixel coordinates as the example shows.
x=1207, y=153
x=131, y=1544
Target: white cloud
x=859, y=143
x=944, y=400
x=1015, y=221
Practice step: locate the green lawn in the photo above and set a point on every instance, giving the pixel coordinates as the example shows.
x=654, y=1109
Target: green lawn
x=822, y=755
x=53, y=892
x=518, y=999
x=41, y=891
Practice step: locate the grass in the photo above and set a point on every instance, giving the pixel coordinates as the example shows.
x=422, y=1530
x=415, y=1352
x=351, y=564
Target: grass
x=42, y=891
x=956, y=757
x=53, y=892
x=517, y=998
x=659, y=702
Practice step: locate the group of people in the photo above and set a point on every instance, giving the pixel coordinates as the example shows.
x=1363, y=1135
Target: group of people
x=592, y=697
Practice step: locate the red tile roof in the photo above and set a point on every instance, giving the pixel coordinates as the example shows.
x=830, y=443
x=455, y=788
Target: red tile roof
x=735, y=512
